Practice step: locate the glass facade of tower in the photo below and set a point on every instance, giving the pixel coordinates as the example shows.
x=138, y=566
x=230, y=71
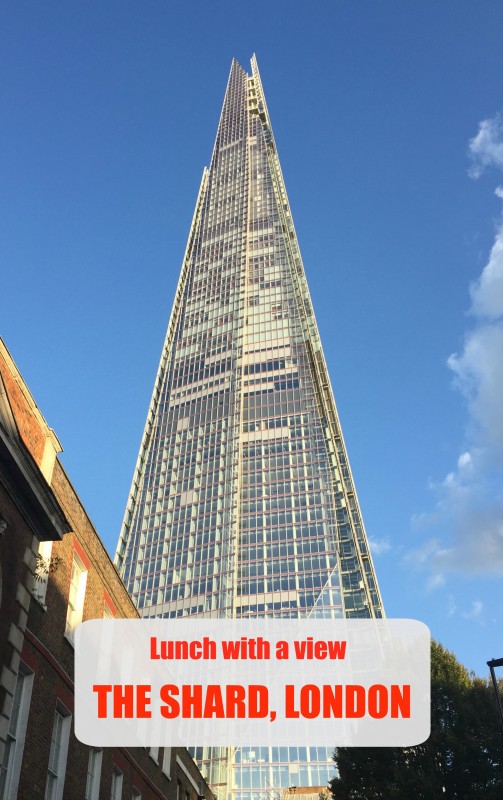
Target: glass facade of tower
x=242, y=502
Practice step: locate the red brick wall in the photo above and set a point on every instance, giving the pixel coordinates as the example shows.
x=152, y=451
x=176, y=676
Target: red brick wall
x=29, y=427
x=94, y=548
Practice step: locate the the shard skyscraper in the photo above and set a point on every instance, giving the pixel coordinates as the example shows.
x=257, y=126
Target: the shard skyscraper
x=242, y=501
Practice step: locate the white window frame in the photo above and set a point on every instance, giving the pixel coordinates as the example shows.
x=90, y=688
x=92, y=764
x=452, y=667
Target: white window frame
x=42, y=570
x=56, y=768
x=93, y=779
x=16, y=736
x=154, y=754
x=117, y=778
x=76, y=596
x=136, y=794
x=166, y=762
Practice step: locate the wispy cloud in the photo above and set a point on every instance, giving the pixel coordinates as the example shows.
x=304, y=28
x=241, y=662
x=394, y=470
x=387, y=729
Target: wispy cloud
x=470, y=498
x=451, y=605
x=435, y=581
x=379, y=546
x=486, y=148
x=475, y=611
x=476, y=542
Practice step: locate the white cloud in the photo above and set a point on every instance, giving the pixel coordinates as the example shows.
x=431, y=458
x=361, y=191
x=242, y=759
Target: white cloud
x=487, y=291
x=379, y=546
x=475, y=611
x=479, y=375
x=499, y=192
x=435, y=581
x=486, y=148
x=469, y=508
x=465, y=460
x=422, y=555
x=479, y=367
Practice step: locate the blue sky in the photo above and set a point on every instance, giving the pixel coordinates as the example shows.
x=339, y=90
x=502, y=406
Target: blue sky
x=387, y=120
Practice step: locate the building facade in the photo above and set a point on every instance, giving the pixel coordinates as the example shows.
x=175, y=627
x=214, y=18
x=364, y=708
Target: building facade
x=30, y=518
x=55, y=574
x=242, y=501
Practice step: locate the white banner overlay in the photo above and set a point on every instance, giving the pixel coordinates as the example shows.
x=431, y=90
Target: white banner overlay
x=234, y=682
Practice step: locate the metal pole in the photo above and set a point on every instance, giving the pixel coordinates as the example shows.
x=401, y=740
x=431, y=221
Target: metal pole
x=496, y=662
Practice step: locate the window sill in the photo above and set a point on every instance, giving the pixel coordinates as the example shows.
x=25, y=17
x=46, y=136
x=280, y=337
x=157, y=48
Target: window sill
x=40, y=603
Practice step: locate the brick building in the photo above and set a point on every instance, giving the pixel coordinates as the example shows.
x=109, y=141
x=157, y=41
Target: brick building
x=55, y=573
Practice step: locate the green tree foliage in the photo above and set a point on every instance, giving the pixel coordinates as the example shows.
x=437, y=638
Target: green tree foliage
x=461, y=760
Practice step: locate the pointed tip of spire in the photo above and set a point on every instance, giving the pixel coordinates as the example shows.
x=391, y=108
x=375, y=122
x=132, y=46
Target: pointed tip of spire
x=254, y=64
x=235, y=64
